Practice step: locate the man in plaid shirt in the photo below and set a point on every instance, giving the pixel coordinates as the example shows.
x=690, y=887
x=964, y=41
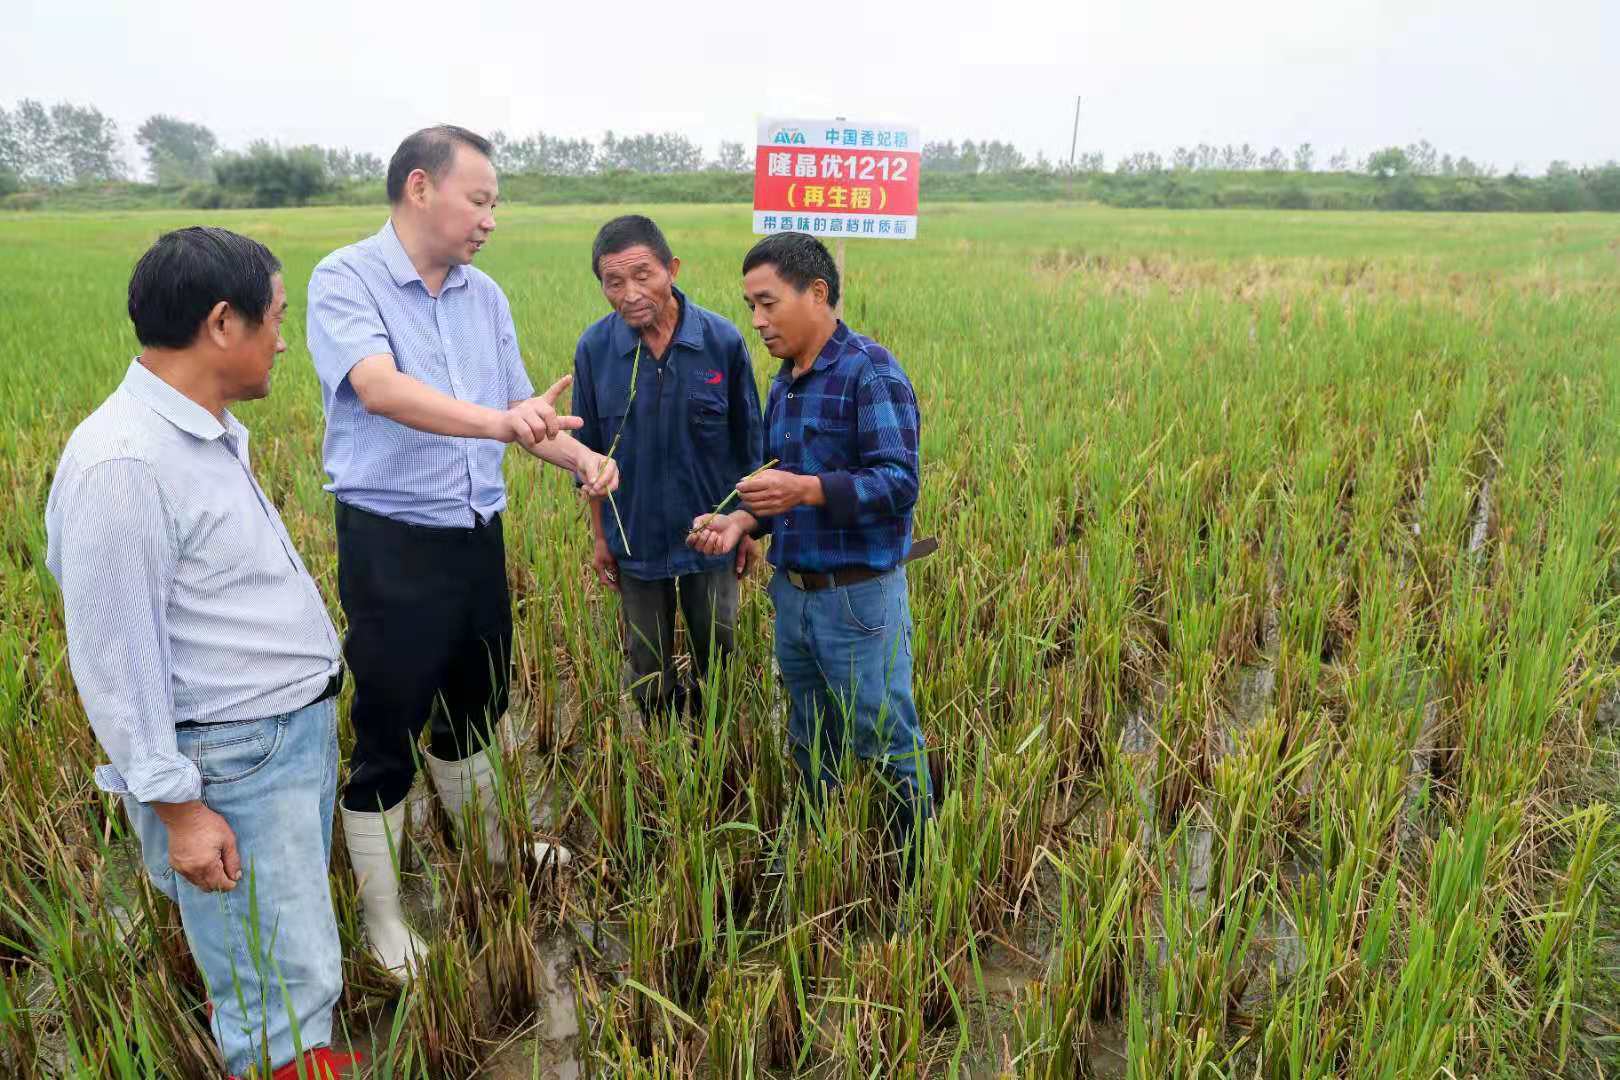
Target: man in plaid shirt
x=842, y=424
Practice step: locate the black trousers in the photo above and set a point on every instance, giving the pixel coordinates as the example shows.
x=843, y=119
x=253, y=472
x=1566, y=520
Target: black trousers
x=429, y=644
x=708, y=602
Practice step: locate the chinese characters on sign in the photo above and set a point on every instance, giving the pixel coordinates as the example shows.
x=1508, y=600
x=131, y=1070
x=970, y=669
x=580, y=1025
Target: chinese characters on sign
x=837, y=178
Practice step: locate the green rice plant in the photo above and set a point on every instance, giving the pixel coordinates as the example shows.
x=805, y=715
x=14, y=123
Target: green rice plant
x=1449, y=484
x=881, y=1028
x=1417, y=1013
x=635, y=371
x=738, y=1006
x=19, y=1044
x=1562, y=934
x=444, y=1023
x=1182, y=993
x=1085, y=981
x=831, y=874
x=509, y=962
x=793, y=1018
x=1343, y=914
x=1313, y=585
x=608, y=1048
x=1198, y=974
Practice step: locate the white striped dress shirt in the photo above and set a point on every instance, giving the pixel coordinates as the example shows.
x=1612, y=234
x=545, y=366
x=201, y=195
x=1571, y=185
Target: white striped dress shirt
x=184, y=597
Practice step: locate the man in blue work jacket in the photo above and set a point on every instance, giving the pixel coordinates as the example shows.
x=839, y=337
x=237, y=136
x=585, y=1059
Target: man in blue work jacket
x=682, y=432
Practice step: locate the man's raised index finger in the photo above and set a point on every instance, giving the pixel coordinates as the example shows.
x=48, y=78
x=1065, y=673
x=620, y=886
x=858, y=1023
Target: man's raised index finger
x=557, y=387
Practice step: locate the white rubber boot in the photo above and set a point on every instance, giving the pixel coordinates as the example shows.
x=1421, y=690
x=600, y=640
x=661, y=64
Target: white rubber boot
x=376, y=873
x=474, y=779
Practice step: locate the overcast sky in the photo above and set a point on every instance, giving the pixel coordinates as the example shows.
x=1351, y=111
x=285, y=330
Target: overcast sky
x=1508, y=83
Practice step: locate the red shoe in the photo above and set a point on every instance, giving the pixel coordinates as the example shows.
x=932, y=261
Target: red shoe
x=320, y=1064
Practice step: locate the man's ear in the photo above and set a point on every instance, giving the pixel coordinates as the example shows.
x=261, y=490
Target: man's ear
x=820, y=289
x=674, y=267
x=217, y=325
x=416, y=185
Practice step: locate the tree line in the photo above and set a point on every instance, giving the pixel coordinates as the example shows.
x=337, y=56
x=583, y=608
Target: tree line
x=67, y=144
x=650, y=152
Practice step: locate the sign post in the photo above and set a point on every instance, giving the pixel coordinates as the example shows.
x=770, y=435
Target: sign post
x=838, y=261
x=837, y=178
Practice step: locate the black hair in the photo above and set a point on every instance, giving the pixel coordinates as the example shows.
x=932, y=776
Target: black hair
x=626, y=232
x=799, y=259
x=186, y=272
x=432, y=150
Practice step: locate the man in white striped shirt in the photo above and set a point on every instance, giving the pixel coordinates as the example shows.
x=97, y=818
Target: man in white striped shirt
x=203, y=651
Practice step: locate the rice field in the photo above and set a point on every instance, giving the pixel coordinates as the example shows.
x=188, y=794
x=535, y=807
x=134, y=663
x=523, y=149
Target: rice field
x=1269, y=666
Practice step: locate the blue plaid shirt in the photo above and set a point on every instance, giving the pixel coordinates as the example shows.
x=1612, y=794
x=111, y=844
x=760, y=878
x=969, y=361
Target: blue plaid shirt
x=851, y=420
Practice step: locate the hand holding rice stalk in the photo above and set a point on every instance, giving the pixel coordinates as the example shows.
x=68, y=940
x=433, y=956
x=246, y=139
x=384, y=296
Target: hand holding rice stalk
x=635, y=370
x=723, y=503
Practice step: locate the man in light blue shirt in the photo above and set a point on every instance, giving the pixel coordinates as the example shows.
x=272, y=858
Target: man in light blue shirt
x=202, y=650
x=423, y=385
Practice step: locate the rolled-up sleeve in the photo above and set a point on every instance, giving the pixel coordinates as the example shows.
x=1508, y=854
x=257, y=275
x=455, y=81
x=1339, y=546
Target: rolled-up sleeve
x=111, y=549
x=344, y=325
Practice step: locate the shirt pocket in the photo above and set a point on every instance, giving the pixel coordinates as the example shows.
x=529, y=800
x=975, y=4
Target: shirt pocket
x=827, y=446
x=613, y=407
x=613, y=413
x=233, y=750
x=709, y=417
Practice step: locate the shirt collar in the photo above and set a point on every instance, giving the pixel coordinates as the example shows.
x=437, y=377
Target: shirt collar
x=175, y=407
x=399, y=264
x=830, y=352
x=688, y=331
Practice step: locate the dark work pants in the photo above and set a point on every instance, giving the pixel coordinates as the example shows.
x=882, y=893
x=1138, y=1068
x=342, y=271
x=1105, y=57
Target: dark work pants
x=429, y=643
x=708, y=602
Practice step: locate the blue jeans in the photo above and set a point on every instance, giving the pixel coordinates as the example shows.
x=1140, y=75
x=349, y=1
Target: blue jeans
x=269, y=948
x=845, y=657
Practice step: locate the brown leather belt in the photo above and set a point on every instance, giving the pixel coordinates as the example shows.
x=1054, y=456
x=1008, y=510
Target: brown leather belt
x=811, y=581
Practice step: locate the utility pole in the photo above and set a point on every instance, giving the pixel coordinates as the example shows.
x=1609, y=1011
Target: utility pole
x=1074, y=140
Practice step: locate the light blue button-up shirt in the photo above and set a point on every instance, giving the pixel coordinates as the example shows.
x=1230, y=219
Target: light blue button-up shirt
x=366, y=300
x=184, y=596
